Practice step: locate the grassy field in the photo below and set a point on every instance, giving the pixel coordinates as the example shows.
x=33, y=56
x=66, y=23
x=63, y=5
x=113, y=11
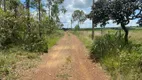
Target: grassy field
x=122, y=62
x=134, y=35
x=14, y=61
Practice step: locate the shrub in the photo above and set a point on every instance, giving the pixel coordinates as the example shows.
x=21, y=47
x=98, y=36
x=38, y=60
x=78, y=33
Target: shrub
x=35, y=43
x=77, y=27
x=122, y=61
x=106, y=45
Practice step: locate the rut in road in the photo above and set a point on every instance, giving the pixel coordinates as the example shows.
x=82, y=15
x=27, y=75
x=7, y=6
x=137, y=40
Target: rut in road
x=67, y=60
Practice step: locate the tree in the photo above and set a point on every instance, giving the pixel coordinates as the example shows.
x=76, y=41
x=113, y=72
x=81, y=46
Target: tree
x=71, y=23
x=79, y=15
x=120, y=11
x=55, y=11
x=0, y=3
x=15, y=15
x=28, y=14
x=63, y=10
x=49, y=4
x=39, y=10
x=4, y=5
x=99, y=14
x=53, y=6
x=39, y=6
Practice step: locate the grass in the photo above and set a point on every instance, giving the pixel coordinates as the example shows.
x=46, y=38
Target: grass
x=122, y=62
x=14, y=61
x=52, y=39
x=85, y=37
x=135, y=35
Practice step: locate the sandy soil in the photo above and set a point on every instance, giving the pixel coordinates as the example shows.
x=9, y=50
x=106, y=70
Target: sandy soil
x=67, y=60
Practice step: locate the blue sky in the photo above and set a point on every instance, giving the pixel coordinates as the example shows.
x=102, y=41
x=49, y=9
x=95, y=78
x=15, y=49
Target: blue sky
x=85, y=5
x=22, y=1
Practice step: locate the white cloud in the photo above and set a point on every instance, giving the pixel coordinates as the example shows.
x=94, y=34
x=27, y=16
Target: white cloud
x=85, y=5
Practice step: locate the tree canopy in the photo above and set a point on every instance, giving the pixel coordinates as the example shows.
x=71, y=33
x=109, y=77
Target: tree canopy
x=120, y=11
x=79, y=15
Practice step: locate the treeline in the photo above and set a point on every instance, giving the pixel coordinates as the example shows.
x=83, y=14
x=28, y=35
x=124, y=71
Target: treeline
x=28, y=23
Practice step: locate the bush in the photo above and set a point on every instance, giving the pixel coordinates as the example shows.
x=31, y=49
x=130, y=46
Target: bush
x=35, y=43
x=106, y=45
x=122, y=61
x=11, y=29
x=77, y=27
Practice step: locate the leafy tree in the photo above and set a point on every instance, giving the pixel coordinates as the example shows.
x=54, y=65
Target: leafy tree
x=55, y=11
x=99, y=14
x=19, y=27
x=13, y=6
x=121, y=11
x=37, y=4
x=49, y=5
x=63, y=10
x=79, y=15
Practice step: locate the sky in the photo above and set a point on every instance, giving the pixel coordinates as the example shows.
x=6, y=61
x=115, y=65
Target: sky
x=85, y=5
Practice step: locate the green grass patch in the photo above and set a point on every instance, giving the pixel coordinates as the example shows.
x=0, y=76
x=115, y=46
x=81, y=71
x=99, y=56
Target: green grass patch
x=52, y=39
x=85, y=38
x=12, y=61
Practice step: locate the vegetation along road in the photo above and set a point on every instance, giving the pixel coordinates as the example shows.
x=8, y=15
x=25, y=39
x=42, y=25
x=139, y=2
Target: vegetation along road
x=67, y=60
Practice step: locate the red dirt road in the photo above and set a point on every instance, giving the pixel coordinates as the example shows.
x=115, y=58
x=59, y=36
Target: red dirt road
x=67, y=60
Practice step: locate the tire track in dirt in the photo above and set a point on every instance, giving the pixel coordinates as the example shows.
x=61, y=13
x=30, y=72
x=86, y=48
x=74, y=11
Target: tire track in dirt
x=67, y=61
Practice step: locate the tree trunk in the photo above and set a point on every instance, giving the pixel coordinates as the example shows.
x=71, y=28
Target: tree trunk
x=28, y=14
x=39, y=9
x=0, y=3
x=101, y=31
x=119, y=33
x=126, y=32
x=49, y=11
x=92, y=30
x=15, y=11
x=71, y=24
x=4, y=4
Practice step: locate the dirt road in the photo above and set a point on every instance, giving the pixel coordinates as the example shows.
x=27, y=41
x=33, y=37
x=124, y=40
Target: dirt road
x=67, y=60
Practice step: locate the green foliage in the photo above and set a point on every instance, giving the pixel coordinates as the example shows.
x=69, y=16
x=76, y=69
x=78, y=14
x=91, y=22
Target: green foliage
x=106, y=45
x=122, y=61
x=79, y=15
x=120, y=11
x=77, y=27
x=35, y=43
x=13, y=31
x=52, y=39
x=10, y=30
x=85, y=38
x=20, y=29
